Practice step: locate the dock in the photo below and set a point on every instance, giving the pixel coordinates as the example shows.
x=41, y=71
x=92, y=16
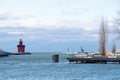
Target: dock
x=20, y=53
x=93, y=60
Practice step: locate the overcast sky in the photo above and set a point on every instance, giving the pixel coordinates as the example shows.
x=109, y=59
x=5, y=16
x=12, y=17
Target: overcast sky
x=54, y=25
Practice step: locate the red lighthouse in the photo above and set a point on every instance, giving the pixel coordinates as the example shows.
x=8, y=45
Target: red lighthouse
x=21, y=47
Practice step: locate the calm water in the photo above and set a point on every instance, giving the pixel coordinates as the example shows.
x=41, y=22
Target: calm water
x=39, y=66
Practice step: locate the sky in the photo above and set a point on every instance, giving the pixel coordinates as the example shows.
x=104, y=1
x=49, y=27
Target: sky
x=55, y=25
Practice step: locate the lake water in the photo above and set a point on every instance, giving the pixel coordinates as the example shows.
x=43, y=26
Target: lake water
x=39, y=66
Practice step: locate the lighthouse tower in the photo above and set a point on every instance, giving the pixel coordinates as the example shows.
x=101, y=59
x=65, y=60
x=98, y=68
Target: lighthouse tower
x=21, y=47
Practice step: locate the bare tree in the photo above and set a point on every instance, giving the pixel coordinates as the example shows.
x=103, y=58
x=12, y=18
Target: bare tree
x=117, y=24
x=117, y=20
x=113, y=47
x=103, y=37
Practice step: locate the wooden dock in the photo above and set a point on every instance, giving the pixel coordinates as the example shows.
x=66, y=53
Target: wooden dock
x=93, y=60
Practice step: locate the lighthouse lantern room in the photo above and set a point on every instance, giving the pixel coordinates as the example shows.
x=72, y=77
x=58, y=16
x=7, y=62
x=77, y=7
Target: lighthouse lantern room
x=21, y=47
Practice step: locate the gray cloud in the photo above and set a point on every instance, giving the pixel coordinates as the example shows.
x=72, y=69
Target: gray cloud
x=48, y=35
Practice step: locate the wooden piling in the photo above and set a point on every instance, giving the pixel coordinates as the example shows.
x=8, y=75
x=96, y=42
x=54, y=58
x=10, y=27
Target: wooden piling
x=55, y=58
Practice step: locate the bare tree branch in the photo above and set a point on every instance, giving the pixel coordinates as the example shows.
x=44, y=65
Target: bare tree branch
x=117, y=24
x=103, y=37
